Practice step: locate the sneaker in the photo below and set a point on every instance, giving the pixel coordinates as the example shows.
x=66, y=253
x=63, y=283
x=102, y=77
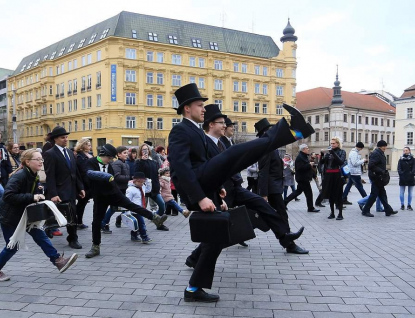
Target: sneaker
x=409, y=208
x=146, y=240
x=94, y=251
x=106, y=229
x=135, y=238
x=57, y=233
x=402, y=207
x=82, y=226
x=186, y=213
x=4, y=277
x=64, y=263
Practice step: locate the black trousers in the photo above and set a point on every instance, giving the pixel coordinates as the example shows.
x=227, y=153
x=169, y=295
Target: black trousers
x=377, y=190
x=72, y=229
x=276, y=201
x=303, y=186
x=101, y=204
x=252, y=184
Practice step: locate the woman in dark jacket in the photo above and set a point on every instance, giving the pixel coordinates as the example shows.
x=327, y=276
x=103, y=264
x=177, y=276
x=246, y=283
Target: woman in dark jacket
x=150, y=170
x=333, y=181
x=22, y=190
x=132, y=156
x=406, y=171
x=82, y=149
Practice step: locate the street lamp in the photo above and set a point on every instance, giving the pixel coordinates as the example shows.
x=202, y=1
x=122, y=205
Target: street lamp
x=14, y=122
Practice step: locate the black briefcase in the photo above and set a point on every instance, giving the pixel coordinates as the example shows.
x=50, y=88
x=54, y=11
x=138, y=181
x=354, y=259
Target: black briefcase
x=38, y=212
x=229, y=227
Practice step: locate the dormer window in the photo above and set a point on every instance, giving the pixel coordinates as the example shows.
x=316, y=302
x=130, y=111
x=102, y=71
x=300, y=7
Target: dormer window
x=30, y=65
x=61, y=52
x=196, y=43
x=134, y=34
x=81, y=44
x=53, y=55
x=214, y=46
x=23, y=67
x=92, y=38
x=173, y=39
x=45, y=57
x=36, y=62
x=153, y=37
x=104, y=34
x=71, y=47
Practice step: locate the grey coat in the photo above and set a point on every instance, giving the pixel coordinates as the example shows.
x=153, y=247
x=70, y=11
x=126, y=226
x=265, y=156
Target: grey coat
x=288, y=175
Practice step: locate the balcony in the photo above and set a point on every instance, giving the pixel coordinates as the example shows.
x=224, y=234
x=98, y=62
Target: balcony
x=62, y=95
x=88, y=88
x=57, y=96
x=75, y=91
x=98, y=85
x=69, y=93
x=82, y=89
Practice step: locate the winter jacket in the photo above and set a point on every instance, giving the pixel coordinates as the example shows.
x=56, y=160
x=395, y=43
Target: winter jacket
x=17, y=195
x=303, y=170
x=406, y=170
x=355, y=162
x=289, y=173
x=150, y=170
x=134, y=194
x=377, y=165
x=252, y=171
x=121, y=174
x=165, y=189
x=130, y=163
x=334, y=159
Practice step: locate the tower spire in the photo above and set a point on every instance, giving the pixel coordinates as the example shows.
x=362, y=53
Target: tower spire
x=337, y=90
x=288, y=33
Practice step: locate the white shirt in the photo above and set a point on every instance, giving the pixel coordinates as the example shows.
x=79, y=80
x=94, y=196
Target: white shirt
x=192, y=121
x=230, y=140
x=61, y=149
x=215, y=140
x=101, y=165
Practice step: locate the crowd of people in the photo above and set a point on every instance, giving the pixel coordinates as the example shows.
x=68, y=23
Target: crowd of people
x=200, y=170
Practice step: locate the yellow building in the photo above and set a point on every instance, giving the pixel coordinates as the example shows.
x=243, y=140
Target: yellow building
x=115, y=81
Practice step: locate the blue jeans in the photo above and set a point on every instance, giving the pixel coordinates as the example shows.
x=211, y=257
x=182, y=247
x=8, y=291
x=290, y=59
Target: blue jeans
x=379, y=206
x=357, y=182
x=402, y=194
x=142, y=230
x=286, y=190
x=38, y=236
x=173, y=204
x=160, y=202
x=108, y=215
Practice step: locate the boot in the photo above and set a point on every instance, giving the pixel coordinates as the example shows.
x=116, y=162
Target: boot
x=94, y=251
x=331, y=216
x=64, y=263
x=340, y=216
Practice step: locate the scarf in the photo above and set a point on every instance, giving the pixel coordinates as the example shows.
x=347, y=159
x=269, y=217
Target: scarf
x=166, y=178
x=407, y=157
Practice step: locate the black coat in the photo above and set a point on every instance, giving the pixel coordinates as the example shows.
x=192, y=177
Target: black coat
x=5, y=166
x=270, y=174
x=406, y=170
x=303, y=170
x=377, y=165
x=81, y=160
x=17, y=195
x=334, y=159
x=60, y=179
x=150, y=169
x=225, y=141
x=100, y=188
x=188, y=150
x=121, y=174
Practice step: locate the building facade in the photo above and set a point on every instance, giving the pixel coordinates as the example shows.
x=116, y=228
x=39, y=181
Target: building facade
x=351, y=116
x=405, y=125
x=115, y=81
x=4, y=75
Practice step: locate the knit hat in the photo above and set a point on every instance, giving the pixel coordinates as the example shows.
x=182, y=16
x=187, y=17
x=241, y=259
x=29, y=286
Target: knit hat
x=360, y=145
x=381, y=143
x=163, y=170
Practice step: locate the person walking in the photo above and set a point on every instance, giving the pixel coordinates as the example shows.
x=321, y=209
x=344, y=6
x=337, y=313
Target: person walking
x=379, y=177
x=406, y=171
x=252, y=177
x=355, y=163
x=289, y=173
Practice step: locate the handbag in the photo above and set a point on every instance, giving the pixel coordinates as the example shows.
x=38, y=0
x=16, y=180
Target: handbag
x=385, y=178
x=345, y=170
x=229, y=227
x=130, y=221
x=38, y=212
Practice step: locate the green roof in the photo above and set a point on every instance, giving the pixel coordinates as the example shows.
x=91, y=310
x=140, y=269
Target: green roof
x=5, y=72
x=123, y=24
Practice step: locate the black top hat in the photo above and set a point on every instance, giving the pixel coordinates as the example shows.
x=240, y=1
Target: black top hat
x=261, y=125
x=139, y=175
x=148, y=143
x=229, y=122
x=213, y=112
x=22, y=147
x=108, y=150
x=58, y=131
x=187, y=94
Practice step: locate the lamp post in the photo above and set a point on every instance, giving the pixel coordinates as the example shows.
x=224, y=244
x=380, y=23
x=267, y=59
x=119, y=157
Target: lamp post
x=14, y=122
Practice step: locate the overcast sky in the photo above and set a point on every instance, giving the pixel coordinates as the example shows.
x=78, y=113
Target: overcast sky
x=372, y=41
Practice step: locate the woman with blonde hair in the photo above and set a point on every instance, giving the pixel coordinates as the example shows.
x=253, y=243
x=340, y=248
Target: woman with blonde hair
x=82, y=149
x=14, y=156
x=332, y=160
x=22, y=190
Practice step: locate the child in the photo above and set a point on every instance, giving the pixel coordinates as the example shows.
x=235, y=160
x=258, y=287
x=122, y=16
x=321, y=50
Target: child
x=136, y=193
x=165, y=190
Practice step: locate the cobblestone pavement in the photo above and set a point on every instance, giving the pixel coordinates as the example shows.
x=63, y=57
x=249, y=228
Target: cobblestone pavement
x=358, y=267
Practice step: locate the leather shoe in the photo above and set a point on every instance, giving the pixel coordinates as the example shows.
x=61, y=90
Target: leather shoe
x=298, y=122
x=391, y=213
x=75, y=245
x=162, y=228
x=295, y=249
x=290, y=237
x=313, y=210
x=345, y=202
x=320, y=205
x=370, y=215
x=190, y=262
x=243, y=244
x=201, y=296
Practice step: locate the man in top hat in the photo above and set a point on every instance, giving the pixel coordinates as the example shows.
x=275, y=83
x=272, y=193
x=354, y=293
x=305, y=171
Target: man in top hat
x=63, y=180
x=198, y=178
x=270, y=182
x=229, y=132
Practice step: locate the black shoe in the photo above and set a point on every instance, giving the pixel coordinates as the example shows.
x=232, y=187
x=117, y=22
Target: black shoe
x=339, y=217
x=345, y=202
x=163, y=228
x=380, y=210
x=320, y=205
x=290, y=237
x=295, y=249
x=118, y=221
x=200, y=295
x=370, y=215
x=298, y=122
x=106, y=229
x=75, y=245
x=313, y=210
x=190, y=262
x=243, y=244
x=391, y=213
x=402, y=207
x=331, y=216
x=82, y=226
x=409, y=208
x=297, y=199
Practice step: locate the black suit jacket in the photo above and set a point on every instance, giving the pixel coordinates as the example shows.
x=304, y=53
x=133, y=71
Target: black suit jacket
x=303, y=170
x=188, y=150
x=101, y=188
x=60, y=180
x=225, y=141
x=270, y=174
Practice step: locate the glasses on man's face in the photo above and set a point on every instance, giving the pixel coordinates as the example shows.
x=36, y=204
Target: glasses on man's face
x=38, y=159
x=16, y=148
x=220, y=122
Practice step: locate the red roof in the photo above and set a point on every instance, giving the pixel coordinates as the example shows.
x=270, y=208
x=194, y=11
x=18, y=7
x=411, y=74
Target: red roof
x=409, y=92
x=321, y=97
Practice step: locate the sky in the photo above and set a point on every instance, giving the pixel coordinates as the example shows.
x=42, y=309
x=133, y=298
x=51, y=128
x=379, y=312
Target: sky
x=370, y=41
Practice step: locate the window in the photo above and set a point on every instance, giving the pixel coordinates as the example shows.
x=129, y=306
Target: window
x=192, y=79
x=264, y=108
x=236, y=86
x=192, y=61
x=89, y=82
x=294, y=91
x=130, y=54
x=83, y=60
x=69, y=87
x=344, y=136
x=367, y=120
x=176, y=80
x=410, y=138
x=264, y=89
x=159, y=123
x=218, y=84
x=98, y=123
x=160, y=57
x=149, y=100
x=150, y=56
x=243, y=106
x=98, y=100
x=326, y=118
x=317, y=136
x=359, y=136
x=89, y=102
x=317, y=120
x=160, y=78
x=149, y=123
x=75, y=86
x=256, y=108
x=92, y=39
x=90, y=124
x=83, y=124
x=244, y=68
x=153, y=37
x=381, y=122
x=236, y=106
x=75, y=64
x=134, y=34
x=98, y=84
x=373, y=121
x=218, y=65
x=244, y=87
x=130, y=98
x=280, y=72
x=75, y=125
x=280, y=91
x=309, y=119
x=69, y=106
x=70, y=66
x=201, y=62
x=352, y=119
x=174, y=102
x=196, y=43
x=388, y=122
x=387, y=139
x=256, y=88
x=173, y=39
x=279, y=109
x=130, y=122
x=236, y=67
x=243, y=126
x=149, y=77
x=89, y=59
x=219, y=102
x=71, y=48
x=409, y=113
x=359, y=120
x=326, y=136
x=366, y=138
x=174, y=122
x=130, y=76
x=201, y=82
x=176, y=59
x=214, y=46
x=159, y=100
x=256, y=69
x=374, y=138
x=265, y=71
x=345, y=118
x=75, y=105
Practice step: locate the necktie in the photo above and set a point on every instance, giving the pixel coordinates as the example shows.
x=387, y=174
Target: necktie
x=68, y=161
x=143, y=198
x=221, y=146
x=103, y=168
